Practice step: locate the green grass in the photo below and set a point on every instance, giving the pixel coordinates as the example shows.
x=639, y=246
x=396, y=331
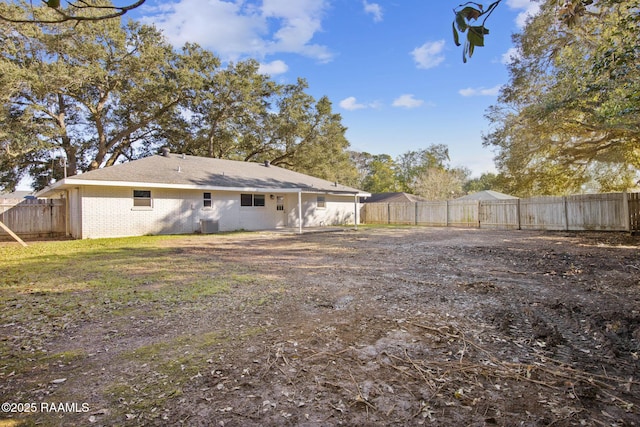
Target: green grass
x=50, y=291
x=49, y=287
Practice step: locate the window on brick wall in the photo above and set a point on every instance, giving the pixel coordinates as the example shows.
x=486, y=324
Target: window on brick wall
x=252, y=200
x=246, y=200
x=142, y=198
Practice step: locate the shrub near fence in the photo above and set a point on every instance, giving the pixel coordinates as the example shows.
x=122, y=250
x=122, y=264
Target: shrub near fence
x=609, y=211
x=30, y=218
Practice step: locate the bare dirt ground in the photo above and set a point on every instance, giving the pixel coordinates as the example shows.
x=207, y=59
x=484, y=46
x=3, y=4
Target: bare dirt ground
x=397, y=326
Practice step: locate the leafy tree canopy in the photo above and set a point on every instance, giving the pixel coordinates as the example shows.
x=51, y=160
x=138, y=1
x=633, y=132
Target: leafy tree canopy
x=487, y=181
x=379, y=173
x=569, y=119
x=90, y=96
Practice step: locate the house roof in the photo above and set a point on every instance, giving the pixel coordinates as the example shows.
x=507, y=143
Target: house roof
x=191, y=172
x=20, y=194
x=486, y=195
x=393, y=198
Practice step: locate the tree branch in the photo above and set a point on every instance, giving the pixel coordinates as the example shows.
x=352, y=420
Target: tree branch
x=80, y=5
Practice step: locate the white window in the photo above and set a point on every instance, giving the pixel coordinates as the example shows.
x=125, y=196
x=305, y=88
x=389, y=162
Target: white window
x=206, y=200
x=321, y=203
x=141, y=198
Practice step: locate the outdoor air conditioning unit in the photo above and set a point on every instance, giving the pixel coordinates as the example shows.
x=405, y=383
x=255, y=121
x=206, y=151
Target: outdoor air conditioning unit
x=208, y=226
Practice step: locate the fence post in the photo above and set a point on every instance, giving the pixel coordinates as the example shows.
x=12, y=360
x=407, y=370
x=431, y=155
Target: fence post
x=478, y=214
x=447, y=212
x=518, y=214
x=566, y=213
x=626, y=214
x=416, y=214
x=51, y=217
x=388, y=213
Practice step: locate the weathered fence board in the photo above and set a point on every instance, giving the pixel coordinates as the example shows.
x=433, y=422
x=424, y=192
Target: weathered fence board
x=596, y=212
x=402, y=213
x=375, y=213
x=33, y=218
x=501, y=214
x=609, y=211
x=432, y=214
x=634, y=212
x=463, y=213
x=543, y=213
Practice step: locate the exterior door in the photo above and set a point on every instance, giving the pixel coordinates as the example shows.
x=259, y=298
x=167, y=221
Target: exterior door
x=281, y=215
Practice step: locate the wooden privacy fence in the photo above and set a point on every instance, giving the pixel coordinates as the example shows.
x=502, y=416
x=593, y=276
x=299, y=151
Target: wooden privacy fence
x=609, y=211
x=30, y=218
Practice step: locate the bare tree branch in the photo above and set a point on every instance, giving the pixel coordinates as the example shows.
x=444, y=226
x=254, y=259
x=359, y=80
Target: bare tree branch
x=110, y=12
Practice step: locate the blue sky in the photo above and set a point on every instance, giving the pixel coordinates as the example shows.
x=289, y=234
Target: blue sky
x=390, y=67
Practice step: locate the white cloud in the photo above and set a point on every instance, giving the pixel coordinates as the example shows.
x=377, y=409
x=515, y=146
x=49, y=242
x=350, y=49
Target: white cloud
x=300, y=20
x=407, y=101
x=510, y=55
x=429, y=55
x=530, y=8
x=351, y=104
x=481, y=91
x=374, y=9
x=233, y=29
x=274, y=67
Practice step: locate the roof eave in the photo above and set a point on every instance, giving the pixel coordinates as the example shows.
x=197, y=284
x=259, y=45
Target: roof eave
x=71, y=183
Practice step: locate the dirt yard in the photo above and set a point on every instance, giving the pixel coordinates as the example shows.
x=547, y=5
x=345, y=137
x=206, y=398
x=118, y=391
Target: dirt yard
x=383, y=326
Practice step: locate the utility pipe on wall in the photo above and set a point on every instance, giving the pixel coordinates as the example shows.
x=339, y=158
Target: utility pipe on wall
x=300, y=212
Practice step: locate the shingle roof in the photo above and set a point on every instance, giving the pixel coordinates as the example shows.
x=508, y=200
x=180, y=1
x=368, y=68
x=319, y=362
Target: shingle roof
x=393, y=198
x=181, y=171
x=486, y=195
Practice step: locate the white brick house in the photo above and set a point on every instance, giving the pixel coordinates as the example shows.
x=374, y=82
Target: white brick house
x=178, y=194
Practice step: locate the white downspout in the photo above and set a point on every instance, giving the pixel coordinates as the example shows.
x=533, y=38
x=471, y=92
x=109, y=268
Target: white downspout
x=300, y=212
x=67, y=214
x=355, y=211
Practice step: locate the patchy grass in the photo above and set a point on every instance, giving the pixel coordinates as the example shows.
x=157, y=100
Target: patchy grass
x=159, y=372
x=51, y=288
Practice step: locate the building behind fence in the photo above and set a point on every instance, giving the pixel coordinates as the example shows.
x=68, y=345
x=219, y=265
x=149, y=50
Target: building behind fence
x=31, y=218
x=609, y=211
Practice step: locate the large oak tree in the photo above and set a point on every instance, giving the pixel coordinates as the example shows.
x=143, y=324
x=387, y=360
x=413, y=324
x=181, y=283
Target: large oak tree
x=88, y=94
x=569, y=119
x=93, y=95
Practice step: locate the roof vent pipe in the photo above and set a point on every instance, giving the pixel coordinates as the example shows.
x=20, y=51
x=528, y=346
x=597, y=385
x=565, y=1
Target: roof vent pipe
x=267, y=163
x=165, y=152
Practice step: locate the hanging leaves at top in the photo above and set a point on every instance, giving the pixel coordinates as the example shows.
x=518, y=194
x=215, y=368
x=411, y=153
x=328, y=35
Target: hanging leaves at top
x=465, y=14
x=568, y=12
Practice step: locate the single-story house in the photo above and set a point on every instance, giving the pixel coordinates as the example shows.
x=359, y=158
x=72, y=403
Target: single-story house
x=179, y=194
